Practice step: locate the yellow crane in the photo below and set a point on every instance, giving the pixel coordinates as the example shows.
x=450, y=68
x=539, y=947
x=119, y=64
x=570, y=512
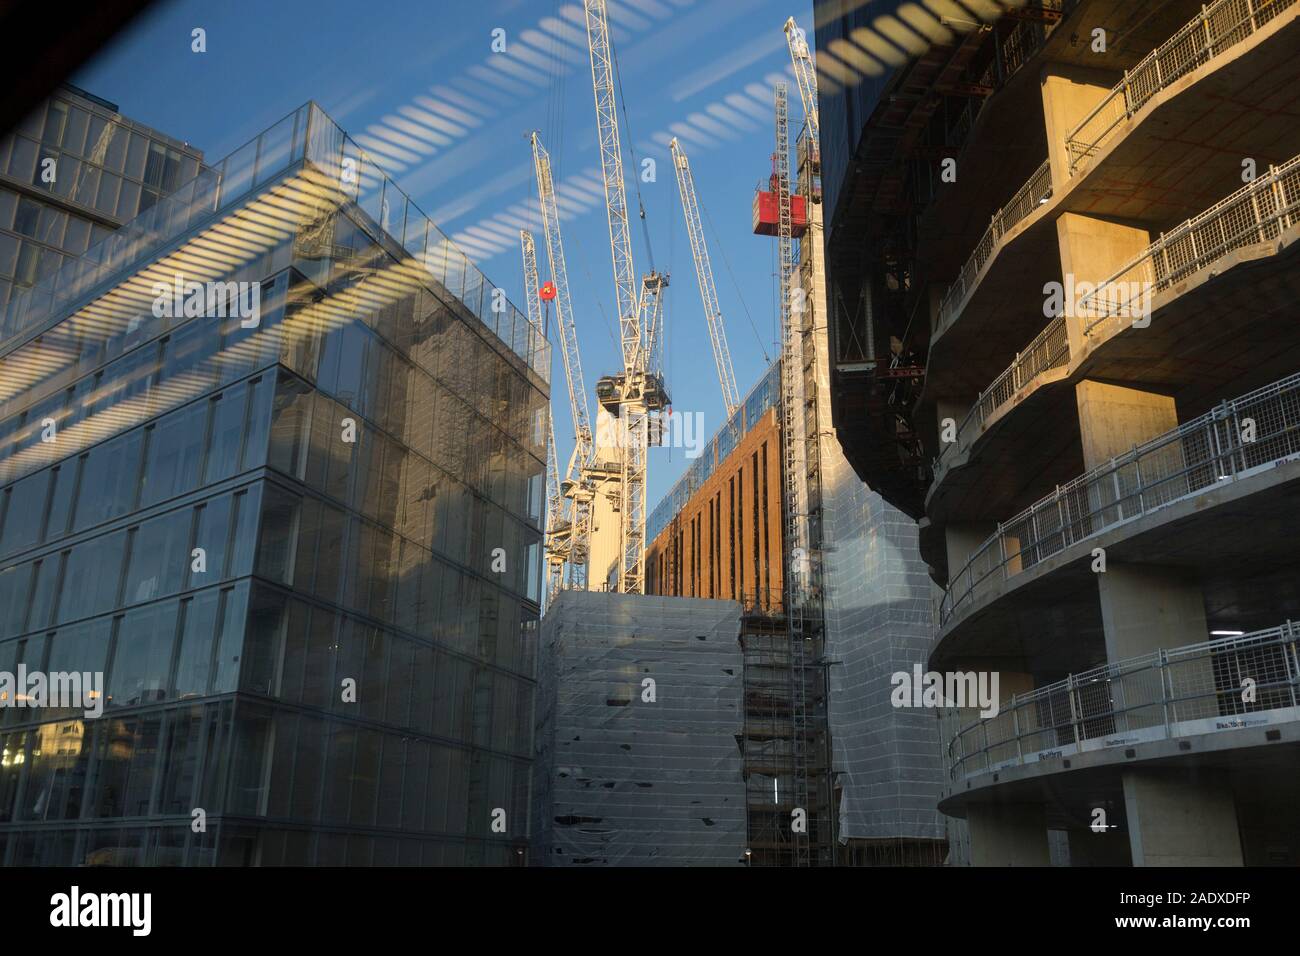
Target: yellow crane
x=636, y=393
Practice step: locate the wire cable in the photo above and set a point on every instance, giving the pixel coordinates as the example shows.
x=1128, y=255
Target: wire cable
x=629, y=139
x=726, y=260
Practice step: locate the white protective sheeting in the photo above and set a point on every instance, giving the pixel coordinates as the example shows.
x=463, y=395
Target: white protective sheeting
x=623, y=780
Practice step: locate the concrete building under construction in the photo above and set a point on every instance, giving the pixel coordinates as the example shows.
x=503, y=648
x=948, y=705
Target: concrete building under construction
x=1106, y=474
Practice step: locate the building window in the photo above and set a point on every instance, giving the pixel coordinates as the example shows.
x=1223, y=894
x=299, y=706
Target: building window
x=756, y=494
x=767, y=543
x=74, y=131
x=162, y=169
x=731, y=534
x=740, y=532
x=55, y=119
x=27, y=217
x=49, y=159
x=712, y=559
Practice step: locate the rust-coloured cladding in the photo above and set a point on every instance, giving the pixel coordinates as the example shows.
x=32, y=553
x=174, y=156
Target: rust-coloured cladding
x=726, y=541
x=767, y=214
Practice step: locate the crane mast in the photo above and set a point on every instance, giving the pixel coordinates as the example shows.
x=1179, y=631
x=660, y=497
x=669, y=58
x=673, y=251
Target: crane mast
x=704, y=276
x=557, y=523
x=638, y=391
x=576, y=485
x=531, y=286
x=611, y=166
x=805, y=74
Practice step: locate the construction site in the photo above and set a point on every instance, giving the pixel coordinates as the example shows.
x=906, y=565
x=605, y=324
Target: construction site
x=979, y=553
x=769, y=544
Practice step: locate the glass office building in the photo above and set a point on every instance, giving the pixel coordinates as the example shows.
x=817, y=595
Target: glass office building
x=295, y=521
x=74, y=171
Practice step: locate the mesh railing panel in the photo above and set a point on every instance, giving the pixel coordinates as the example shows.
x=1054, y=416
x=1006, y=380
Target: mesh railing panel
x=1260, y=428
x=1026, y=199
x=1258, y=212
x=1049, y=349
x=1217, y=28
x=1250, y=673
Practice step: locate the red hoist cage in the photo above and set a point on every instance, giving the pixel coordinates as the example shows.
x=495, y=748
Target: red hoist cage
x=546, y=292
x=767, y=209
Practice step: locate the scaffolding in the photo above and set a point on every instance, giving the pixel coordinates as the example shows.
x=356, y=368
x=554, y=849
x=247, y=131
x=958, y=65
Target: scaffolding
x=804, y=612
x=777, y=746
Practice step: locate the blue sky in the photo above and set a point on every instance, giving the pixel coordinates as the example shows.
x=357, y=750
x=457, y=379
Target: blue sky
x=417, y=83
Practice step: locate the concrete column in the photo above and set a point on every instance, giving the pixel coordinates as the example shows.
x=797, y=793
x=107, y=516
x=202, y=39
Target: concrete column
x=1089, y=848
x=1092, y=250
x=1175, y=817
x=963, y=540
x=1114, y=418
x=958, y=842
x=1146, y=608
x=1180, y=817
x=1069, y=94
x=1008, y=835
x=1143, y=608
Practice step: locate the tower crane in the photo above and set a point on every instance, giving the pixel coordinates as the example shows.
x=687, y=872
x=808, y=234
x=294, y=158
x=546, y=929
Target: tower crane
x=638, y=391
x=573, y=542
x=704, y=275
x=558, y=523
x=558, y=520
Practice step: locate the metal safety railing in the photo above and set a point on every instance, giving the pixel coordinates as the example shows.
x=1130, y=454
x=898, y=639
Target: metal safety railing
x=1049, y=349
x=1258, y=212
x=1139, y=699
x=1218, y=27
x=1260, y=428
x=1028, y=197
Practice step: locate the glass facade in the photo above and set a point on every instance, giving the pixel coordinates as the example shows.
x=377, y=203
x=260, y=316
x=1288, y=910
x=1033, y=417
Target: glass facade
x=306, y=554
x=843, y=109
x=106, y=170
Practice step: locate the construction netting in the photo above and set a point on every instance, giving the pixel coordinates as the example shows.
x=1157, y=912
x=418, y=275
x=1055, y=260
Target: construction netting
x=639, y=722
x=878, y=623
